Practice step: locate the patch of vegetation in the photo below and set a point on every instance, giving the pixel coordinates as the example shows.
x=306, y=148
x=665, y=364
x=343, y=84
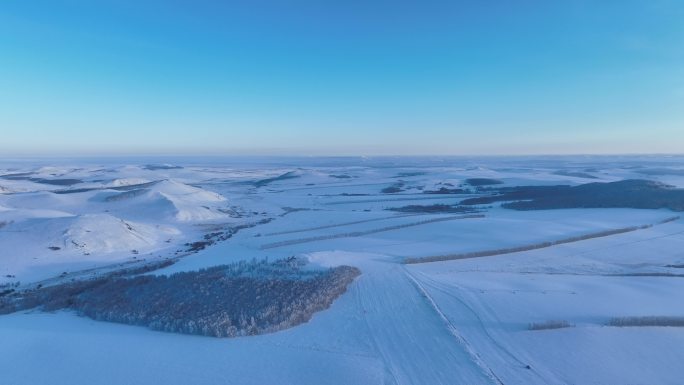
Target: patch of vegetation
x=133, y=186
x=144, y=268
x=27, y=176
x=476, y=182
x=393, y=189
x=645, y=274
x=446, y=190
x=575, y=174
x=647, y=321
x=153, y=167
x=661, y=171
x=535, y=246
x=549, y=325
x=117, y=188
x=290, y=210
x=76, y=190
x=243, y=298
x=57, y=182
x=515, y=193
x=281, y=177
x=410, y=174
x=17, y=176
x=433, y=209
x=219, y=234
x=633, y=193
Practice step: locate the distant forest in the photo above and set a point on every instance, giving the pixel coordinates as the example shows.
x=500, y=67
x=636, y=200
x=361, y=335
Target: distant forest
x=632, y=193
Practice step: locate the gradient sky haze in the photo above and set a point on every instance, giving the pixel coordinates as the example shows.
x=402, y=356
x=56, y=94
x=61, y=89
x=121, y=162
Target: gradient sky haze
x=341, y=77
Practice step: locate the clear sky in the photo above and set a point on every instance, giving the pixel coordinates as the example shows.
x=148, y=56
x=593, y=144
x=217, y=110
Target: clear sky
x=341, y=77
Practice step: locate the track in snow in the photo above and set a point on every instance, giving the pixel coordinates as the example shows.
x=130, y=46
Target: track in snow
x=413, y=198
x=480, y=325
x=366, y=232
x=411, y=339
x=338, y=225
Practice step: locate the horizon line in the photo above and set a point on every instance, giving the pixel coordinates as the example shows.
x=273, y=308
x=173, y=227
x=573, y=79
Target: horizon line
x=341, y=155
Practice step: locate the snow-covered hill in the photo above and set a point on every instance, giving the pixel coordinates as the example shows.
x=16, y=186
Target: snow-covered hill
x=52, y=229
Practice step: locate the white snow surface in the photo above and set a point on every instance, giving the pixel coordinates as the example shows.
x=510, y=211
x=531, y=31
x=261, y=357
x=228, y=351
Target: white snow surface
x=453, y=322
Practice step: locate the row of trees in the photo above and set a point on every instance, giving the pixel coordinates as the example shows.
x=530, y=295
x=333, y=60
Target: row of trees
x=518, y=249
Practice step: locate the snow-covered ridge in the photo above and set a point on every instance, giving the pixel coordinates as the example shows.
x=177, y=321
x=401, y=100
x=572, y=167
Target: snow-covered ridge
x=127, y=182
x=174, y=200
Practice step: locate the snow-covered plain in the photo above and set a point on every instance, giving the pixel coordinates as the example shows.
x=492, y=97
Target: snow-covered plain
x=453, y=322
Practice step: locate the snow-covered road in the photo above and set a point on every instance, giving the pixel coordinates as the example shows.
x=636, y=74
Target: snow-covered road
x=415, y=344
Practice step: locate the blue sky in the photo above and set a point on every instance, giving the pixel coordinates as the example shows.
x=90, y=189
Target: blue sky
x=341, y=77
